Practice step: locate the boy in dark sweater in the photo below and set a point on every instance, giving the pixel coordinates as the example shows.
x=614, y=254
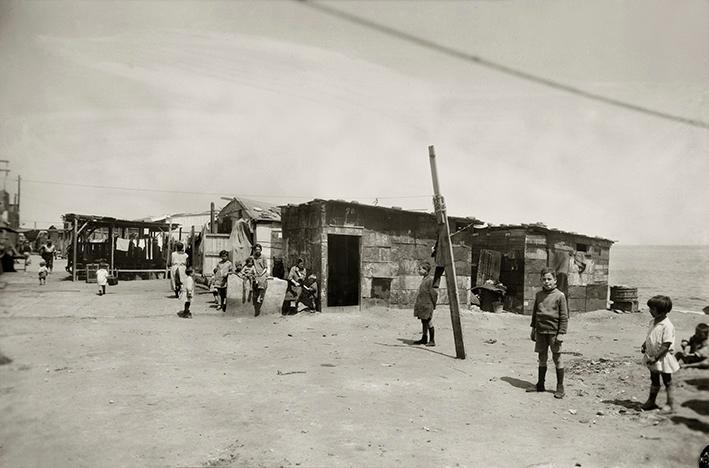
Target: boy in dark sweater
x=550, y=317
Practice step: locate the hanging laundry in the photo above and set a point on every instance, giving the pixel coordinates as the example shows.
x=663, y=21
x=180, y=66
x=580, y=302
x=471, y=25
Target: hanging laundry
x=122, y=244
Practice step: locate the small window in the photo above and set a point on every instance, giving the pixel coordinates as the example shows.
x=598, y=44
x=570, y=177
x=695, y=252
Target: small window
x=381, y=288
x=582, y=247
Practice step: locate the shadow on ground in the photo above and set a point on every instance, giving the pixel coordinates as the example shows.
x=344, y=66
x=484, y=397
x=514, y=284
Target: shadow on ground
x=407, y=343
x=699, y=406
x=701, y=384
x=692, y=423
x=629, y=404
x=518, y=383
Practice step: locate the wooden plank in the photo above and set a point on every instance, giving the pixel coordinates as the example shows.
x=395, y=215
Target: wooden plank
x=577, y=292
x=597, y=291
x=596, y=304
x=444, y=243
x=577, y=305
x=489, y=264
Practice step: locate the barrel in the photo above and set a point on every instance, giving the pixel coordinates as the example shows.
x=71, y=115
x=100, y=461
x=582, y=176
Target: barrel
x=623, y=294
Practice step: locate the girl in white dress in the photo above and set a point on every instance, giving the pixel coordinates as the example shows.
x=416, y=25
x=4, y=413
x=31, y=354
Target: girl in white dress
x=178, y=263
x=658, y=352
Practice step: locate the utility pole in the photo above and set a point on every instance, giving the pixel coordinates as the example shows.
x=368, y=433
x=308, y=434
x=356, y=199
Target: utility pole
x=19, y=182
x=6, y=170
x=444, y=243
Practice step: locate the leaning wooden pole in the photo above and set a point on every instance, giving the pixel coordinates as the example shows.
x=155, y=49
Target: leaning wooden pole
x=75, y=243
x=444, y=243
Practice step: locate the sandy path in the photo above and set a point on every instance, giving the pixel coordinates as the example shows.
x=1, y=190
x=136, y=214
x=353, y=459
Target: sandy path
x=120, y=381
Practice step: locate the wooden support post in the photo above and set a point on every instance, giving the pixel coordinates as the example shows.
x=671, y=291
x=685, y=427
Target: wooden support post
x=211, y=219
x=191, y=259
x=444, y=243
x=169, y=248
x=75, y=245
x=113, y=246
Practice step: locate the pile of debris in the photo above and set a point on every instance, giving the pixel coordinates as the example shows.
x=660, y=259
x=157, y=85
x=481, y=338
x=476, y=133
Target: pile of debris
x=599, y=366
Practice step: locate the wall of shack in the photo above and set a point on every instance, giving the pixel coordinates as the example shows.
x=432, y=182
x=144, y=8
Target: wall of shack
x=524, y=253
x=392, y=244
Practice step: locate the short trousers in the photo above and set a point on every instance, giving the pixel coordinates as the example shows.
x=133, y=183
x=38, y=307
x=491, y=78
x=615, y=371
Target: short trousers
x=546, y=340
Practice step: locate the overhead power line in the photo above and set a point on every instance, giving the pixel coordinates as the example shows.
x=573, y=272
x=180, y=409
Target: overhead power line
x=186, y=192
x=450, y=51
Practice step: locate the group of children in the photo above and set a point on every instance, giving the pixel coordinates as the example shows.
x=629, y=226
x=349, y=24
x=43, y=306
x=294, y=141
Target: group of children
x=254, y=273
x=549, y=325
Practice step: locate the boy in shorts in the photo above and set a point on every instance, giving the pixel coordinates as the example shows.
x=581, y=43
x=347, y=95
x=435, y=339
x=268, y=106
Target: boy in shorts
x=550, y=318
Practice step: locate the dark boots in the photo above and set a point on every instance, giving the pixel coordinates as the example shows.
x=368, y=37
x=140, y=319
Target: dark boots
x=432, y=340
x=424, y=338
x=424, y=333
x=559, y=384
x=650, y=403
x=539, y=387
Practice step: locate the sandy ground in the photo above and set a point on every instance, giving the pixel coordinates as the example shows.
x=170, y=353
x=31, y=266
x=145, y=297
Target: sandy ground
x=120, y=381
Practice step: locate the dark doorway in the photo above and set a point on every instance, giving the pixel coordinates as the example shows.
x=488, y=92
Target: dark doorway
x=342, y=270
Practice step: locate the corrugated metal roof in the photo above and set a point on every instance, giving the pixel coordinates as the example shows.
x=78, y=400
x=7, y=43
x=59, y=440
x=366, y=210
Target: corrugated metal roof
x=259, y=210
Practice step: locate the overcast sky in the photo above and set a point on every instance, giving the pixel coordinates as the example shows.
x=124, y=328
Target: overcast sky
x=279, y=101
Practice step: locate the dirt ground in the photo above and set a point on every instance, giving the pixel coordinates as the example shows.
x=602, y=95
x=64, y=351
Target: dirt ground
x=120, y=381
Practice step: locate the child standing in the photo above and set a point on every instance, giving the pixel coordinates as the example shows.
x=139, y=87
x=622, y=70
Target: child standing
x=102, y=279
x=425, y=305
x=187, y=293
x=696, y=349
x=178, y=263
x=260, y=283
x=221, y=272
x=247, y=274
x=550, y=318
x=658, y=351
x=42, y=272
x=296, y=276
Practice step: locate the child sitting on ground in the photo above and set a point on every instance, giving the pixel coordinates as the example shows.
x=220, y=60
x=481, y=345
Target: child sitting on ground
x=550, y=318
x=698, y=346
x=102, y=278
x=187, y=293
x=658, y=350
x=42, y=272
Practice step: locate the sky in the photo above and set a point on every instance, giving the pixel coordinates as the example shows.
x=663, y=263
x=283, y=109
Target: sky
x=282, y=102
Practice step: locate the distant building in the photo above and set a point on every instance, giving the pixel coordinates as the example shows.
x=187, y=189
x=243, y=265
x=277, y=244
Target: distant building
x=184, y=221
x=9, y=212
x=249, y=222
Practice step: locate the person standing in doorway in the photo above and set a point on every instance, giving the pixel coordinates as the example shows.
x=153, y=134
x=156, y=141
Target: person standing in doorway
x=260, y=279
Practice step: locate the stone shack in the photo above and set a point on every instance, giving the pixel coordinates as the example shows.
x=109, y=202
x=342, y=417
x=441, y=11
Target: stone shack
x=367, y=255
x=516, y=254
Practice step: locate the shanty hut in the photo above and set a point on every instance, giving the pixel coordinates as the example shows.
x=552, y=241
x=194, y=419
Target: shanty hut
x=248, y=222
x=515, y=255
x=368, y=255
x=133, y=248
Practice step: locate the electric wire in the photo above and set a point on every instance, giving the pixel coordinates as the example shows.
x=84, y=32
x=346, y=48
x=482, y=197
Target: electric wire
x=483, y=62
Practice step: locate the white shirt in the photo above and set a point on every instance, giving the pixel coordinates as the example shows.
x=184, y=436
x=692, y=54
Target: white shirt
x=102, y=277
